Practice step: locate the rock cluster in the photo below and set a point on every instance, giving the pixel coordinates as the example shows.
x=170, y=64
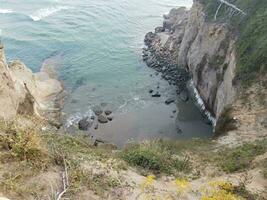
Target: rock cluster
x=101, y=115
x=162, y=48
x=188, y=47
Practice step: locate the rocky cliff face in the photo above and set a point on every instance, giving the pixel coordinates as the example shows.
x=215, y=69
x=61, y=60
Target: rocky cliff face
x=205, y=50
x=26, y=93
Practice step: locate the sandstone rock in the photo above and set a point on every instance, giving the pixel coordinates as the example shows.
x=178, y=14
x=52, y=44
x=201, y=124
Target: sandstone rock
x=27, y=93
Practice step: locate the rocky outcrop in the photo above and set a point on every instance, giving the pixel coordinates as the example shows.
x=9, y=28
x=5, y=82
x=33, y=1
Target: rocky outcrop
x=192, y=47
x=26, y=93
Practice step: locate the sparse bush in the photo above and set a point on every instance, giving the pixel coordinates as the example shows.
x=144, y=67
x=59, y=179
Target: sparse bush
x=156, y=156
x=251, y=31
x=23, y=144
x=239, y=158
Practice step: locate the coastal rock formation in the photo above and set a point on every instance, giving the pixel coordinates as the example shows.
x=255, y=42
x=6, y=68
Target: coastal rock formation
x=23, y=92
x=188, y=46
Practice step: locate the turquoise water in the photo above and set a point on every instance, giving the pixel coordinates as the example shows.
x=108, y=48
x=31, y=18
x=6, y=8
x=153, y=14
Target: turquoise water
x=98, y=45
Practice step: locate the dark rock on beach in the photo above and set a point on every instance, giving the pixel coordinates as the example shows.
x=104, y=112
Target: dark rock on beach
x=169, y=101
x=157, y=94
x=85, y=123
x=102, y=119
x=110, y=118
x=108, y=112
x=162, y=48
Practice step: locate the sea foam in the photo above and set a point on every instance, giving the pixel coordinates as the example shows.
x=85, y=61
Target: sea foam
x=6, y=11
x=45, y=12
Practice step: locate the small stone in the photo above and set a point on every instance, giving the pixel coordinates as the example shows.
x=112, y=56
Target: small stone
x=102, y=119
x=151, y=91
x=156, y=95
x=174, y=111
x=96, y=126
x=110, y=118
x=169, y=101
x=184, y=96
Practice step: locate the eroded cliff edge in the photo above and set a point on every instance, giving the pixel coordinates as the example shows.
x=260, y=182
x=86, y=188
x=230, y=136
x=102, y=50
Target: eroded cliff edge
x=190, y=48
x=26, y=93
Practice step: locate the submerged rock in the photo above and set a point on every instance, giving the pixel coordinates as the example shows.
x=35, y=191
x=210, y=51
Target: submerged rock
x=184, y=96
x=97, y=110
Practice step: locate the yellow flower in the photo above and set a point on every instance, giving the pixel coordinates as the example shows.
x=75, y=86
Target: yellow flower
x=148, y=182
x=182, y=185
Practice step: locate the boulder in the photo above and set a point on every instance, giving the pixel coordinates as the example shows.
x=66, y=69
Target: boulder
x=102, y=119
x=97, y=110
x=85, y=123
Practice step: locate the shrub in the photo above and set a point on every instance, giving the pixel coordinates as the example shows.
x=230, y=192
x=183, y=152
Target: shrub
x=251, y=30
x=239, y=158
x=157, y=156
x=23, y=144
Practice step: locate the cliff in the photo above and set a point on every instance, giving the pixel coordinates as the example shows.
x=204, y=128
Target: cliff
x=207, y=51
x=26, y=93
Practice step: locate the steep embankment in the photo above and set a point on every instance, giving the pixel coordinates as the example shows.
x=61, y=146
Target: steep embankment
x=207, y=50
x=26, y=93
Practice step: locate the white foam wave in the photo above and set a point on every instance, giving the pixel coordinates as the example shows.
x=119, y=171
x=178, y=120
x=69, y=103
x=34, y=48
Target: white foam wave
x=201, y=104
x=45, y=12
x=6, y=11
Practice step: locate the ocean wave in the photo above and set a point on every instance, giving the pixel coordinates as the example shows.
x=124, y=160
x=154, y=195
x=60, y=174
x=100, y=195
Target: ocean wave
x=45, y=12
x=6, y=11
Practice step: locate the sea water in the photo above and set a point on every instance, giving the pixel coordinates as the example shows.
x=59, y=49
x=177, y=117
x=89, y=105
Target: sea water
x=97, y=46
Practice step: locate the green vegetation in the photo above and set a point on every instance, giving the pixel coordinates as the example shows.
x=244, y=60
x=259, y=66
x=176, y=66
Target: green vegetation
x=264, y=170
x=27, y=153
x=165, y=156
x=239, y=158
x=251, y=30
x=23, y=145
x=30, y=154
x=156, y=156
